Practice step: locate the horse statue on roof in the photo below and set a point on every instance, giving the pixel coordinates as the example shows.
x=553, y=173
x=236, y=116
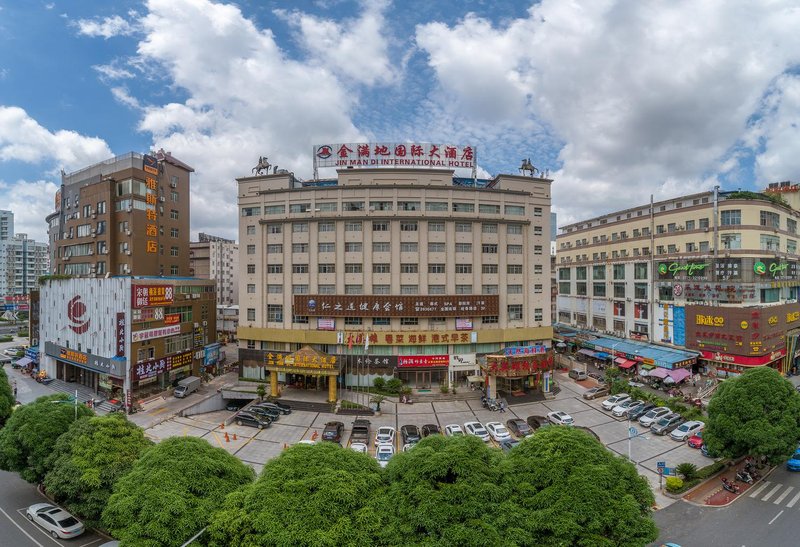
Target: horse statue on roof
x=263, y=166
x=528, y=167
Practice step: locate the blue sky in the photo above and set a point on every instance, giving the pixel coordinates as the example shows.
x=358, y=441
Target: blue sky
x=618, y=99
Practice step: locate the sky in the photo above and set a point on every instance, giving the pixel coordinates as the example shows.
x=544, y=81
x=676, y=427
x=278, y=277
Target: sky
x=617, y=99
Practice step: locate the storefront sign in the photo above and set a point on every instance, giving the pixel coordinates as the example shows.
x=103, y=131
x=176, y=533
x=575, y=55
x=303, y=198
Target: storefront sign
x=405, y=338
x=463, y=362
x=463, y=323
x=326, y=323
x=740, y=331
x=73, y=356
x=150, y=164
x=96, y=363
x=396, y=306
x=407, y=361
x=211, y=354
x=121, y=327
x=683, y=269
x=159, y=332
x=394, y=155
x=301, y=364
x=524, y=350
x=742, y=360
x=148, y=314
x=172, y=318
x=154, y=367
x=151, y=295
x=771, y=268
x=519, y=366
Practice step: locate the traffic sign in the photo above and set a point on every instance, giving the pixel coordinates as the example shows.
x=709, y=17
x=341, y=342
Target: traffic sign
x=661, y=465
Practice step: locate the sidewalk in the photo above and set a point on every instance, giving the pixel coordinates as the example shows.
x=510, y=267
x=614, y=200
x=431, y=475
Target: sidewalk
x=712, y=493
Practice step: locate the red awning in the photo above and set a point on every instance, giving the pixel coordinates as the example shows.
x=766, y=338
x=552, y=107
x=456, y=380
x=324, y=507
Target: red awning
x=624, y=363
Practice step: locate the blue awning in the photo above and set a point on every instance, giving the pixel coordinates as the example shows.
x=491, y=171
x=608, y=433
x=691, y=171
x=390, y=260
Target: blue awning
x=601, y=355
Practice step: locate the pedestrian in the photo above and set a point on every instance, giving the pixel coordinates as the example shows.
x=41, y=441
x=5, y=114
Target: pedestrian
x=502, y=407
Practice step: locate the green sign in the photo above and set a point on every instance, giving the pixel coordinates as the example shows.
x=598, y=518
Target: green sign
x=775, y=269
x=691, y=269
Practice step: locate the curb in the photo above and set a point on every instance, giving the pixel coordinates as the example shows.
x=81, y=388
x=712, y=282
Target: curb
x=736, y=496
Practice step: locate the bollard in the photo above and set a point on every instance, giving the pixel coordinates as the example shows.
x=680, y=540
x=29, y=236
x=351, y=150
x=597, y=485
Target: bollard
x=234, y=437
x=222, y=425
x=227, y=439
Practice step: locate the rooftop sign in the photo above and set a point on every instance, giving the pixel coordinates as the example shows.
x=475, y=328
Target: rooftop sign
x=383, y=154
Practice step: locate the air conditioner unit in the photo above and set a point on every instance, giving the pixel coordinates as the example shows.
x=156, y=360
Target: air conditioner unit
x=173, y=184
x=628, y=299
x=94, y=215
x=129, y=253
x=205, y=323
x=196, y=325
x=94, y=234
x=130, y=208
x=162, y=199
x=126, y=269
x=195, y=296
x=66, y=257
x=705, y=229
x=91, y=252
x=127, y=232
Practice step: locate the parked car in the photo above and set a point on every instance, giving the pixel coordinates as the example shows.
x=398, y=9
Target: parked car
x=360, y=433
x=385, y=435
x=654, y=415
x=577, y=374
x=794, y=462
x=268, y=412
x=519, y=428
x=116, y=405
x=667, y=424
x=705, y=452
x=622, y=408
x=384, y=453
x=498, y=432
x=477, y=429
x=595, y=392
x=236, y=404
x=410, y=434
x=281, y=408
x=408, y=446
x=696, y=440
x=508, y=445
x=535, y=422
x=634, y=413
x=560, y=418
x=252, y=419
x=333, y=432
x=614, y=400
x=686, y=430
x=453, y=430
x=359, y=447
x=55, y=520
x=430, y=429
x=599, y=377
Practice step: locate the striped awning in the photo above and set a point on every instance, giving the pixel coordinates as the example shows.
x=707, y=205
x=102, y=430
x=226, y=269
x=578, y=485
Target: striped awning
x=624, y=363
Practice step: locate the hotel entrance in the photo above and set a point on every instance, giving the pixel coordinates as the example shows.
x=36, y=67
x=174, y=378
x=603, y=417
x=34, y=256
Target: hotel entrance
x=306, y=368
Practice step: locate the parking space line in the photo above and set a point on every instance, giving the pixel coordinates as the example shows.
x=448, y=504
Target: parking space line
x=776, y=517
x=769, y=494
x=758, y=490
x=793, y=500
x=20, y=527
x=783, y=496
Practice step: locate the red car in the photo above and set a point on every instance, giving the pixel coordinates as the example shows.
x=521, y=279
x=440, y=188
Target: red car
x=696, y=440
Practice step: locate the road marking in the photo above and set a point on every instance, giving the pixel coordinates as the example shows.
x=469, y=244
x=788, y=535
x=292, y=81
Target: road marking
x=760, y=488
x=783, y=496
x=769, y=494
x=794, y=500
x=776, y=517
x=20, y=528
x=94, y=541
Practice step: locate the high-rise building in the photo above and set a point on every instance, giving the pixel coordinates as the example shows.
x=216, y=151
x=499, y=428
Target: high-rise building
x=6, y=225
x=125, y=215
x=217, y=258
x=22, y=260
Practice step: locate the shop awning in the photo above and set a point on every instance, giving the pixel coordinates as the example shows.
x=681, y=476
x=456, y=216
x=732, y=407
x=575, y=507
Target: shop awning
x=624, y=363
x=588, y=352
x=679, y=374
x=647, y=367
x=602, y=355
x=24, y=362
x=658, y=373
x=475, y=379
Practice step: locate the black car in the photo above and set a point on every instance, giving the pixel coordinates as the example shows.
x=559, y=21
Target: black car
x=333, y=432
x=252, y=420
x=666, y=424
x=640, y=410
x=519, y=428
x=280, y=407
x=430, y=429
x=535, y=422
x=236, y=404
x=508, y=445
x=410, y=434
x=266, y=412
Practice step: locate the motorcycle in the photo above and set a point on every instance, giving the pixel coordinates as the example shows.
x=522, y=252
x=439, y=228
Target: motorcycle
x=730, y=486
x=744, y=476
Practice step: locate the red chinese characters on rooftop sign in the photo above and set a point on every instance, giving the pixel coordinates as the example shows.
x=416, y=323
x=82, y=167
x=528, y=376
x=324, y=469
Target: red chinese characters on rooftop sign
x=394, y=155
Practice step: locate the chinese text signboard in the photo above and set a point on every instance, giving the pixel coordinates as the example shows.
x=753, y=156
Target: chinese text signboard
x=159, y=332
x=151, y=295
x=774, y=269
x=400, y=338
x=383, y=154
x=396, y=306
x=149, y=369
x=284, y=362
x=120, y=328
x=524, y=350
x=406, y=361
x=150, y=164
x=519, y=366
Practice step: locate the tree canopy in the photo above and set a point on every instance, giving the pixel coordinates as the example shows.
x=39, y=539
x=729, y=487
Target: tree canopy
x=30, y=434
x=757, y=413
x=309, y=495
x=89, y=459
x=7, y=400
x=172, y=492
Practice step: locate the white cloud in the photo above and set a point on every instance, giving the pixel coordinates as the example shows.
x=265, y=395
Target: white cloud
x=779, y=159
x=113, y=72
x=107, y=27
x=122, y=95
x=31, y=202
x=49, y=6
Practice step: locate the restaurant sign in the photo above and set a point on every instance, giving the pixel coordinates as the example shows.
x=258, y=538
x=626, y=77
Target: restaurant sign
x=690, y=269
x=330, y=305
x=410, y=361
x=153, y=367
x=151, y=295
x=740, y=331
x=385, y=154
x=159, y=332
x=404, y=338
x=103, y=365
x=514, y=351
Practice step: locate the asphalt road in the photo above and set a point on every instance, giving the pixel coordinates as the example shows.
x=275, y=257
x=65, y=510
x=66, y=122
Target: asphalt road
x=765, y=516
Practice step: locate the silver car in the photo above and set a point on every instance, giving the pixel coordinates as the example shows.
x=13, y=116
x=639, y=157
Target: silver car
x=55, y=520
x=654, y=415
x=622, y=408
x=614, y=400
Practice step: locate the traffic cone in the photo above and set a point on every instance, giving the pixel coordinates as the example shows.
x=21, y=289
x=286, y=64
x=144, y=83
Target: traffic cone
x=234, y=436
x=227, y=440
x=222, y=425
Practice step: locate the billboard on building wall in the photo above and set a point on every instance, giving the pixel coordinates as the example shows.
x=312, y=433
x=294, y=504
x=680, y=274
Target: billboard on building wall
x=385, y=154
x=333, y=305
x=151, y=295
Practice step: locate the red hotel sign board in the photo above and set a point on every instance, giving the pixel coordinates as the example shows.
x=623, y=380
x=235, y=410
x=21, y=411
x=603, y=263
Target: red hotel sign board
x=406, y=361
x=333, y=305
x=143, y=296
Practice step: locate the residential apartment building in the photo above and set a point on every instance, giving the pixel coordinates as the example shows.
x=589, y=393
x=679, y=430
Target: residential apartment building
x=416, y=271
x=217, y=258
x=22, y=261
x=714, y=272
x=6, y=225
x=128, y=215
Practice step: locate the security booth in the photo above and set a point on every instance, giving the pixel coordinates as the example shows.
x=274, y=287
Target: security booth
x=308, y=366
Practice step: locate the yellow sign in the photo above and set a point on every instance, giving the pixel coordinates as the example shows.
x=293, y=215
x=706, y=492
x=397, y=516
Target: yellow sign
x=744, y=325
x=773, y=320
x=74, y=356
x=792, y=316
x=151, y=182
x=151, y=214
x=321, y=362
x=151, y=230
x=152, y=246
x=710, y=320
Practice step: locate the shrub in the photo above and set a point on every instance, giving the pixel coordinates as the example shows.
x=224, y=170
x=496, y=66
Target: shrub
x=688, y=470
x=379, y=383
x=444, y=388
x=674, y=484
x=7, y=338
x=394, y=385
x=707, y=471
x=350, y=404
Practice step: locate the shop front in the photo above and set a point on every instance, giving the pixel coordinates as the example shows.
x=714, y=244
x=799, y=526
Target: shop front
x=159, y=374
x=423, y=371
x=95, y=372
x=463, y=366
x=307, y=368
x=518, y=373
x=726, y=365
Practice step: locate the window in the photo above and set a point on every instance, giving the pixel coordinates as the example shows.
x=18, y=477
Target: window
x=537, y=211
x=436, y=268
x=327, y=207
x=380, y=289
x=272, y=289
x=564, y=273
x=489, y=209
x=251, y=230
x=640, y=270
x=580, y=289
x=490, y=289
x=514, y=249
x=275, y=248
x=489, y=228
x=463, y=247
x=580, y=273
x=251, y=211
x=251, y=314
x=409, y=247
x=671, y=227
x=538, y=314
x=353, y=206
x=408, y=321
x=380, y=205
x=598, y=272
x=437, y=320
x=299, y=227
x=300, y=319
x=381, y=321
x=537, y=249
x=516, y=229
x=327, y=289
x=409, y=268
x=619, y=290
x=515, y=210
x=327, y=268
x=791, y=246
x=274, y=268
x=731, y=217
x=436, y=289
x=619, y=271
x=489, y=319
x=703, y=223
x=409, y=289
x=690, y=224
x=274, y=313
x=299, y=247
x=352, y=226
x=274, y=229
x=380, y=226
x=463, y=268
x=464, y=227
x=436, y=247
x=352, y=321
x=517, y=289
x=770, y=243
x=101, y=267
x=381, y=268
x=408, y=226
x=173, y=196
x=84, y=230
x=598, y=289
x=463, y=207
x=791, y=226
x=436, y=206
x=770, y=219
x=436, y=226
x=354, y=289
x=352, y=267
x=101, y=207
x=408, y=206
x=274, y=209
x=489, y=248
x=251, y=268
x=564, y=287
x=463, y=289
x=704, y=247
x=251, y=288
x=514, y=312
x=326, y=227
x=731, y=241
x=489, y=268
x=381, y=247
x=299, y=268
x=537, y=230
x=300, y=289
x=326, y=247
x=353, y=247
x=513, y=269
x=251, y=249
x=660, y=229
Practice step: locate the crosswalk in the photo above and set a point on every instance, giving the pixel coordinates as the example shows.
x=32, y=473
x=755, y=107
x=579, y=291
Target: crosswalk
x=767, y=490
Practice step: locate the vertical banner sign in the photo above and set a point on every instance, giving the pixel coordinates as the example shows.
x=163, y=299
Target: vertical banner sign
x=120, y=334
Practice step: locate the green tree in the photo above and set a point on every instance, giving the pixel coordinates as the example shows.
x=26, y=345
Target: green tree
x=30, y=434
x=89, y=459
x=309, y=495
x=445, y=491
x=568, y=489
x=757, y=413
x=172, y=491
x=6, y=397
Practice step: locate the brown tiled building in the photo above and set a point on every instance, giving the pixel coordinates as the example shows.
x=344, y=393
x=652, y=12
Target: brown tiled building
x=125, y=215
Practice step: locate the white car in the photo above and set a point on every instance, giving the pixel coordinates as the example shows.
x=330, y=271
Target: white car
x=614, y=400
x=453, y=430
x=560, y=418
x=384, y=453
x=359, y=447
x=623, y=408
x=498, y=432
x=55, y=520
x=654, y=415
x=686, y=430
x=385, y=435
x=477, y=429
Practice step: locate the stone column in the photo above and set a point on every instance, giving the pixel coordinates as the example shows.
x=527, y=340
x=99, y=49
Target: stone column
x=331, y=389
x=273, y=383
